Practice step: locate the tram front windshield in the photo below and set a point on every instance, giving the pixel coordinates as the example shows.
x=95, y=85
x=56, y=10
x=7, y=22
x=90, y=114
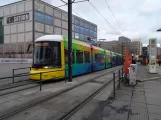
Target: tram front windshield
x=47, y=54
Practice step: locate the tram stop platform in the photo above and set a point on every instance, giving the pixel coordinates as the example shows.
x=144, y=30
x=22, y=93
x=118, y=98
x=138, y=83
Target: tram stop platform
x=142, y=102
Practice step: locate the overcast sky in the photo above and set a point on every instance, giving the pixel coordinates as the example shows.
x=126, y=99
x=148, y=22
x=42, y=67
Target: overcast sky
x=137, y=18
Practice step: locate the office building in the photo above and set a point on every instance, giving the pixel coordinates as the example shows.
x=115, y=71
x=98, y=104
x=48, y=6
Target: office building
x=115, y=45
x=124, y=39
x=16, y=26
x=136, y=47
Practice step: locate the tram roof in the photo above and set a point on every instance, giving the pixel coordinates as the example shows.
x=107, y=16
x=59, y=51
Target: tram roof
x=50, y=38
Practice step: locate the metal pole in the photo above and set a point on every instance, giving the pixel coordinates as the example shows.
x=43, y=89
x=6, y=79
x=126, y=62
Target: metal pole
x=119, y=78
x=21, y=55
x=122, y=55
x=33, y=26
x=70, y=40
x=122, y=73
x=13, y=76
x=40, y=81
x=114, y=92
x=65, y=76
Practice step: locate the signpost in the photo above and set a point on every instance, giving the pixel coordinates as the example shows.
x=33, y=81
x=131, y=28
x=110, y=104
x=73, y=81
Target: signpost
x=132, y=74
x=152, y=55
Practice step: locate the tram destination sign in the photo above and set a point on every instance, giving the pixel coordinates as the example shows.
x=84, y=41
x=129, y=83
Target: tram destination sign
x=18, y=18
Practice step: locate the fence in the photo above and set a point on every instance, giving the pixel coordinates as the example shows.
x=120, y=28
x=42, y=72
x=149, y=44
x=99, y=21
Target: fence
x=117, y=75
x=14, y=84
x=17, y=69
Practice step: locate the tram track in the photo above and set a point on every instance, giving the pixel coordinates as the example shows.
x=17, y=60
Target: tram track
x=71, y=112
x=51, y=96
x=17, y=86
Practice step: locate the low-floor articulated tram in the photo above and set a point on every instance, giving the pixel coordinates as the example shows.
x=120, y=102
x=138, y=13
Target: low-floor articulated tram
x=51, y=58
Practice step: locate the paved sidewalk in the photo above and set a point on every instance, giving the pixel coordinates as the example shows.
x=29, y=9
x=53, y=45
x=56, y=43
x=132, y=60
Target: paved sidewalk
x=143, y=74
x=142, y=102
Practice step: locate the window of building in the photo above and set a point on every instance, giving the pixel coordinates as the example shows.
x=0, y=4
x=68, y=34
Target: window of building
x=1, y=39
x=87, y=25
x=95, y=28
x=88, y=33
x=85, y=31
x=87, y=57
x=82, y=30
x=66, y=56
x=91, y=27
x=91, y=33
x=81, y=23
x=39, y=16
x=45, y=19
x=77, y=28
x=85, y=37
x=76, y=36
x=79, y=56
x=77, y=21
x=81, y=36
x=48, y=19
x=95, y=34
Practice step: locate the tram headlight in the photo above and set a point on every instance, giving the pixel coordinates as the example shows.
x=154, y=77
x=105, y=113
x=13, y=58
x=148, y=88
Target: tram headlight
x=46, y=67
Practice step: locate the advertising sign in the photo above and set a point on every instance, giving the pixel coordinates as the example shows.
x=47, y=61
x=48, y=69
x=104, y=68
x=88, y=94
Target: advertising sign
x=18, y=18
x=132, y=75
x=128, y=61
x=15, y=60
x=152, y=55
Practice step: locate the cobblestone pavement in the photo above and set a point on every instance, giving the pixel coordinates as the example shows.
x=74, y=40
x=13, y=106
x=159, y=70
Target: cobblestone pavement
x=142, y=102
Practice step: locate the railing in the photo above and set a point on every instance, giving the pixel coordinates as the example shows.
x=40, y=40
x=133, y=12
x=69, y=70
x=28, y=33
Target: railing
x=18, y=84
x=117, y=76
x=13, y=72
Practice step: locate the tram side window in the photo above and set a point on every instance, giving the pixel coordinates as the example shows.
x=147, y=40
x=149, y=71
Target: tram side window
x=95, y=56
x=66, y=56
x=99, y=58
x=79, y=56
x=87, y=57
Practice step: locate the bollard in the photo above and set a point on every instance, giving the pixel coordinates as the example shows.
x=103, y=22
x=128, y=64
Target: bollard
x=119, y=78
x=114, y=92
x=122, y=74
x=40, y=80
x=13, y=76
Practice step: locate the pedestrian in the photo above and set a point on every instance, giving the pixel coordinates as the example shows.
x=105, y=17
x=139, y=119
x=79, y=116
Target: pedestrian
x=146, y=62
x=159, y=62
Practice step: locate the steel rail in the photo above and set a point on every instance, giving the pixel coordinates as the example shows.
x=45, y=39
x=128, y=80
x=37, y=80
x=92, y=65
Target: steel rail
x=48, y=97
x=80, y=105
x=77, y=107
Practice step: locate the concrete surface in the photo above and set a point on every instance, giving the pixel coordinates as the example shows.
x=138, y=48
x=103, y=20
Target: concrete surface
x=6, y=71
x=142, y=102
x=59, y=104
x=143, y=74
x=6, y=68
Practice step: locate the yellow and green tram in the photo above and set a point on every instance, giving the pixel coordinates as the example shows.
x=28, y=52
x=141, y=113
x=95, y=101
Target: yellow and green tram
x=51, y=58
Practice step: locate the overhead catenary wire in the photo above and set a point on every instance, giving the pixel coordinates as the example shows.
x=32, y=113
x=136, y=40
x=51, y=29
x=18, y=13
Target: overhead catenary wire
x=103, y=18
x=113, y=15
